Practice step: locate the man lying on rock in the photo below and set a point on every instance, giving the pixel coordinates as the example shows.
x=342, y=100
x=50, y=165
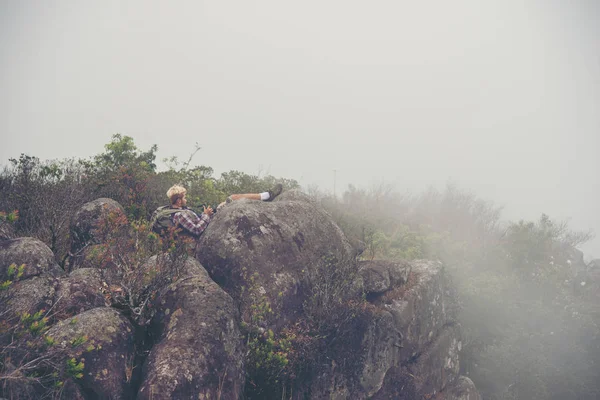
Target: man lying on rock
x=177, y=215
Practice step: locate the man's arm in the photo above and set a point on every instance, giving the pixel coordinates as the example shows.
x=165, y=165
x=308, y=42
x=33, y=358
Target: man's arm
x=191, y=222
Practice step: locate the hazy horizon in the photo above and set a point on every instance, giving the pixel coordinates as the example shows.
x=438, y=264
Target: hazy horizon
x=500, y=98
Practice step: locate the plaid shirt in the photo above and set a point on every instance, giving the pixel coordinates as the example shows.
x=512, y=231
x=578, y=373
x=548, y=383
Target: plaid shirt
x=191, y=222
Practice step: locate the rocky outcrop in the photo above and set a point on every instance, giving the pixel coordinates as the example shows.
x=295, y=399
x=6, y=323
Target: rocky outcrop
x=409, y=345
x=397, y=337
x=437, y=365
x=91, y=223
x=420, y=309
x=103, y=340
x=198, y=352
x=275, y=244
x=408, y=334
x=65, y=296
x=29, y=296
x=80, y=291
x=33, y=254
x=39, y=295
x=380, y=276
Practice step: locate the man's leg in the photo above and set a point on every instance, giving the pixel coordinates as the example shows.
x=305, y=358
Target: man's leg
x=233, y=197
x=265, y=196
x=251, y=196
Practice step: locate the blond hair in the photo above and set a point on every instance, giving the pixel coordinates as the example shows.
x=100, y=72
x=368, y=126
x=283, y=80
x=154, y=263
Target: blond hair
x=176, y=192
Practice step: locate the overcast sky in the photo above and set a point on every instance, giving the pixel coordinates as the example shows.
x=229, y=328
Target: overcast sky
x=499, y=97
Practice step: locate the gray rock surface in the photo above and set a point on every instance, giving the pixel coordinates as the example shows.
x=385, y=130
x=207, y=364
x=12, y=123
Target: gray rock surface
x=33, y=253
x=199, y=352
x=29, y=296
x=380, y=276
x=64, y=296
x=421, y=311
x=438, y=365
x=106, y=349
x=88, y=223
x=80, y=291
x=280, y=243
x=408, y=346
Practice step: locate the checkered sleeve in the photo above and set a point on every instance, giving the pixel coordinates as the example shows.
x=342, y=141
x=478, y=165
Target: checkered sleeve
x=191, y=222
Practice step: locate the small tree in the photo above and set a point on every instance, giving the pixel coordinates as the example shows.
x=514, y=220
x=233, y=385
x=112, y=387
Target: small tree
x=123, y=172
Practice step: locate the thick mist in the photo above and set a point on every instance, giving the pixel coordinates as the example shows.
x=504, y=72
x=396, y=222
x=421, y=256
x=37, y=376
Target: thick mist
x=501, y=99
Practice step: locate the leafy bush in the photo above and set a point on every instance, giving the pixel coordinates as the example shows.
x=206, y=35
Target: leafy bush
x=46, y=194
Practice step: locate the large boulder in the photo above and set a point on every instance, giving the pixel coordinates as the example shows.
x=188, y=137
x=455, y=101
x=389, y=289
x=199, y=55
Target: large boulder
x=438, y=364
x=378, y=351
x=355, y=362
x=379, y=276
x=198, y=352
x=91, y=224
x=82, y=290
x=36, y=257
x=158, y=272
x=403, y=345
x=421, y=307
x=28, y=296
x=103, y=340
x=66, y=296
x=273, y=246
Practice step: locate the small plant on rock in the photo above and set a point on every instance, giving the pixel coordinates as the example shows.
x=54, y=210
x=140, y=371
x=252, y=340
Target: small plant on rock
x=268, y=352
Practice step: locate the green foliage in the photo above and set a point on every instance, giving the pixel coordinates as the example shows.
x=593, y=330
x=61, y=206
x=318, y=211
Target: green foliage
x=9, y=217
x=240, y=182
x=36, y=323
x=26, y=355
x=14, y=273
x=267, y=357
x=402, y=243
x=122, y=152
x=123, y=173
x=49, y=340
x=125, y=247
x=532, y=246
x=46, y=195
x=79, y=340
x=75, y=369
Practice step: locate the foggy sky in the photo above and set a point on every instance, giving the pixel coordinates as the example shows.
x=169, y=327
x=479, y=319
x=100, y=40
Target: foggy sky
x=499, y=97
